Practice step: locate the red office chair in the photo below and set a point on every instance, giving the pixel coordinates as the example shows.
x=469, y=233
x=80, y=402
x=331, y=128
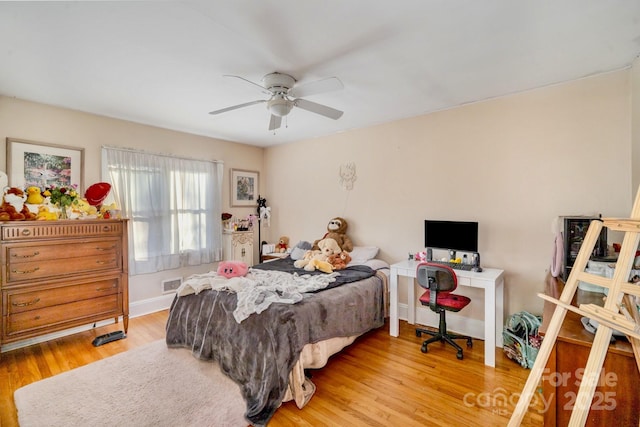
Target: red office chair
x=440, y=281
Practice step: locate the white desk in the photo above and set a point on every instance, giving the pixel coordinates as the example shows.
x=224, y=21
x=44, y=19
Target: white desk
x=490, y=279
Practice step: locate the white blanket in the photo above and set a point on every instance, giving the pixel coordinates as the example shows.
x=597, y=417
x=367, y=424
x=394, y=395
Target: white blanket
x=258, y=289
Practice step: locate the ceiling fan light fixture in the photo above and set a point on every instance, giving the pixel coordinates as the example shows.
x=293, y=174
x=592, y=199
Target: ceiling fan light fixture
x=280, y=106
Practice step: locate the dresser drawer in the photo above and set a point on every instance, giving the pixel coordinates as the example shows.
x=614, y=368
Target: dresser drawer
x=49, y=317
x=61, y=250
x=50, y=230
x=19, y=301
x=21, y=271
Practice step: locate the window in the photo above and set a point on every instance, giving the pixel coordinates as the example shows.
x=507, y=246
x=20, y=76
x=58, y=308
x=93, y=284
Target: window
x=173, y=206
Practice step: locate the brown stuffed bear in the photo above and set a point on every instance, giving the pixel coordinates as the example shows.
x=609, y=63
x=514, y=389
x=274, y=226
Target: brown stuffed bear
x=283, y=244
x=340, y=261
x=337, y=230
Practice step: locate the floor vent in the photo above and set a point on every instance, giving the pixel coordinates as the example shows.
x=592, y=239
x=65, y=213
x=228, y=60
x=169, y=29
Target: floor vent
x=171, y=285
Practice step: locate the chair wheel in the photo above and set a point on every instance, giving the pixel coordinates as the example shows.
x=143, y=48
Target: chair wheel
x=418, y=333
x=423, y=349
x=459, y=355
x=469, y=343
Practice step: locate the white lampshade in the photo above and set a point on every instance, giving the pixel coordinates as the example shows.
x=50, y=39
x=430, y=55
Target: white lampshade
x=280, y=106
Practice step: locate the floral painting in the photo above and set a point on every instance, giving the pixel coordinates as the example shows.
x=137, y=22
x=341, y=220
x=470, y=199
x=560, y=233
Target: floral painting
x=45, y=170
x=244, y=188
x=36, y=164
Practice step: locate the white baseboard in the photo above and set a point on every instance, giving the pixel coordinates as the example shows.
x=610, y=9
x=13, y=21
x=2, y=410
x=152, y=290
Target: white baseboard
x=136, y=309
x=151, y=305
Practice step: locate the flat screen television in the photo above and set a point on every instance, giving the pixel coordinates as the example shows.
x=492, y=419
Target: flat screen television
x=455, y=235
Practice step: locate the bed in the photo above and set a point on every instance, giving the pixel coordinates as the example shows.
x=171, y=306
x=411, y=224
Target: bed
x=266, y=349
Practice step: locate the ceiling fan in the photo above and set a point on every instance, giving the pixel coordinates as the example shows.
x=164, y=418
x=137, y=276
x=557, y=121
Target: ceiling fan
x=284, y=95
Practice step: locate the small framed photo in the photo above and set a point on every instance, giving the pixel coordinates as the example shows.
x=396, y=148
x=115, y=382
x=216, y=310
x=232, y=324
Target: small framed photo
x=244, y=188
x=42, y=165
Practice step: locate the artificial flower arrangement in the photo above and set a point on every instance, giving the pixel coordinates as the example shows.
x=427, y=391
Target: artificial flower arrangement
x=62, y=197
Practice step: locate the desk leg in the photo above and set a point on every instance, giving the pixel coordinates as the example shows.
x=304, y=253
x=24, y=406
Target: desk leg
x=499, y=311
x=490, y=325
x=394, y=326
x=411, y=300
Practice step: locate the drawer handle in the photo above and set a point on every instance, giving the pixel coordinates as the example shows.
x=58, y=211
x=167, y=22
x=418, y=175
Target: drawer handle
x=111, y=261
x=36, y=253
x=26, y=232
x=106, y=289
x=25, y=271
x=25, y=304
x=105, y=249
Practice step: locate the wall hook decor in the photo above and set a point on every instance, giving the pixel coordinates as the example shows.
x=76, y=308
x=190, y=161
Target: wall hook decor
x=347, y=175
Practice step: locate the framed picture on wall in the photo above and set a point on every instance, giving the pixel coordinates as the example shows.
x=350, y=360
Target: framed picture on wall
x=244, y=188
x=42, y=165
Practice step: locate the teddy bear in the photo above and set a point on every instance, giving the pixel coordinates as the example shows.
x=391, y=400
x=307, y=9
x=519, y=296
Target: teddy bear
x=340, y=261
x=283, y=244
x=337, y=230
x=319, y=259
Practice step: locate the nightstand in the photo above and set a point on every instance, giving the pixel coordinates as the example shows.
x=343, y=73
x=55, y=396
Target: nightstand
x=273, y=255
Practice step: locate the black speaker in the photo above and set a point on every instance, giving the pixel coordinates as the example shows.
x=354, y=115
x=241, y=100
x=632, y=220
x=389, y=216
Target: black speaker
x=429, y=254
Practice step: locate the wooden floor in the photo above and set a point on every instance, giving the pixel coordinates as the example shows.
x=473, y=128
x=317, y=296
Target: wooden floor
x=377, y=381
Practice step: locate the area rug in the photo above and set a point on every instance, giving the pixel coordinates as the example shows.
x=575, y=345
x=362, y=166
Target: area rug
x=148, y=386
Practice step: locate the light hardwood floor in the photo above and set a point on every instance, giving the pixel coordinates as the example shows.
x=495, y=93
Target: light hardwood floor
x=377, y=381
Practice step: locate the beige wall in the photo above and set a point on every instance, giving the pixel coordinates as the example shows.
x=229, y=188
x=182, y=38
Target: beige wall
x=635, y=124
x=38, y=122
x=513, y=164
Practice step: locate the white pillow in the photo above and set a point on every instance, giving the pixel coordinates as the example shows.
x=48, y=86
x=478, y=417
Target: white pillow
x=361, y=254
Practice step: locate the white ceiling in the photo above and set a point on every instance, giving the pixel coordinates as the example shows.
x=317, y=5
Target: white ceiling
x=162, y=63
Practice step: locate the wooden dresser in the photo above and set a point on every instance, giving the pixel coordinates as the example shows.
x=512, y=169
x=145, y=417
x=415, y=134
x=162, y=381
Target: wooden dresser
x=61, y=274
x=616, y=399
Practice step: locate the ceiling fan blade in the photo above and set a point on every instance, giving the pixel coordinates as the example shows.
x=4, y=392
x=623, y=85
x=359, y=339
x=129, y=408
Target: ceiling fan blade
x=275, y=122
x=321, y=86
x=262, y=88
x=314, y=107
x=235, y=107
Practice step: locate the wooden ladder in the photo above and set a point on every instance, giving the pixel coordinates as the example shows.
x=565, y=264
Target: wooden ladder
x=619, y=312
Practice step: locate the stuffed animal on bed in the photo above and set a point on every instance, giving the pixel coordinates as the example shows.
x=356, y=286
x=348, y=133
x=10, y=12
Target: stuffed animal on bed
x=337, y=230
x=283, y=244
x=340, y=261
x=231, y=269
x=319, y=259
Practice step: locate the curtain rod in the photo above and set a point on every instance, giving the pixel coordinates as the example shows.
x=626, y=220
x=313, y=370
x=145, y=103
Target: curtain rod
x=135, y=150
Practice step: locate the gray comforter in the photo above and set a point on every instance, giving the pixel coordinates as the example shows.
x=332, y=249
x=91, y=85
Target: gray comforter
x=259, y=353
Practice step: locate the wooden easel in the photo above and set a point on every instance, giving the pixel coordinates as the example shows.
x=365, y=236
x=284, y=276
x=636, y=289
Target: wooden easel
x=618, y=313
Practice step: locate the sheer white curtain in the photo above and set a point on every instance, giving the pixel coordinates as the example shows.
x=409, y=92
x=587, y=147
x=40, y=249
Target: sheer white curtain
x=173, y=205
